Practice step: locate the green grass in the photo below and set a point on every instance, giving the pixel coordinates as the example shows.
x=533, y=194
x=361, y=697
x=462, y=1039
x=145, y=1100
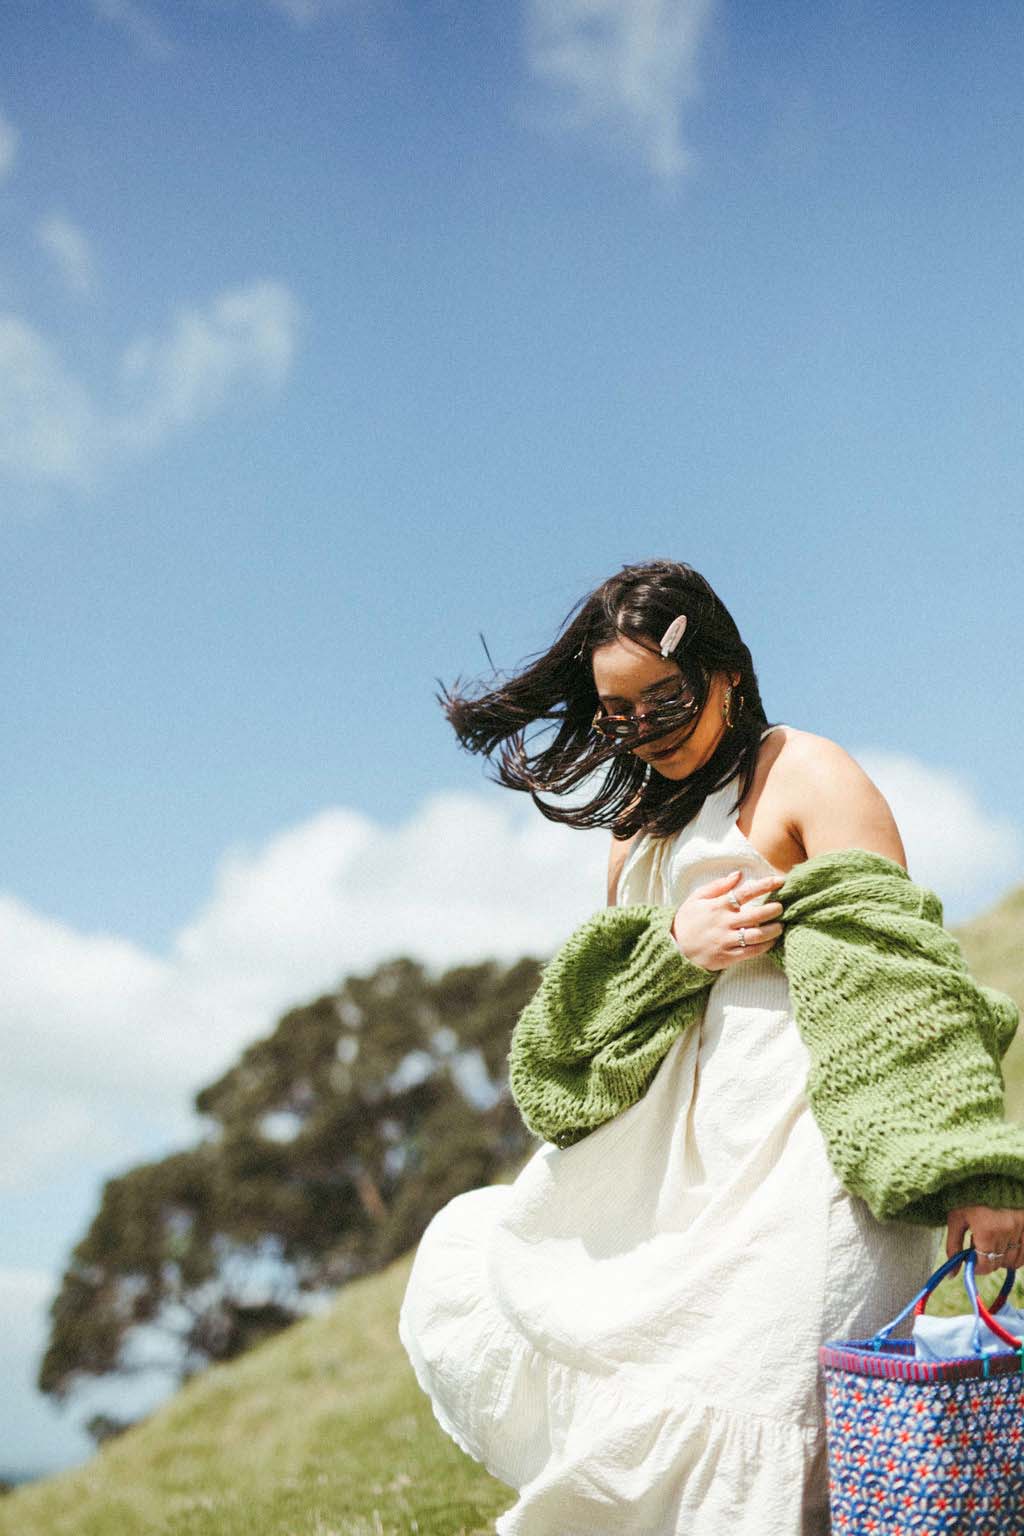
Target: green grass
x=994, y=953
x=322, y=1431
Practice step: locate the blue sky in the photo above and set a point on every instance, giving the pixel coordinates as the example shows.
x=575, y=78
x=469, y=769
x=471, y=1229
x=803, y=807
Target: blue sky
x=333, y=334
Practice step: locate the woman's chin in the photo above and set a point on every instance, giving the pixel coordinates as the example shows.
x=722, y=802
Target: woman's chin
x=671, y=766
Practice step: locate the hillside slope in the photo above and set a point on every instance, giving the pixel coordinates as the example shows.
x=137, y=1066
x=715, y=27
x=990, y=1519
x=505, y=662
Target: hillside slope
x=322, y=1431
x=994, y=949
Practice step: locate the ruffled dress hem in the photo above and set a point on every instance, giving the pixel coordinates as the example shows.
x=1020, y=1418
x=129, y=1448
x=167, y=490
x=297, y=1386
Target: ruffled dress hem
x=571, y=1438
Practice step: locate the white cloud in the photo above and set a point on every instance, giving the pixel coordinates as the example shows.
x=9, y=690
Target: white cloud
x=623, y=67
x=49, y=427
x=464, y=878
x=247, y=335
x=953, y=845
x=53, y=429
x=39, y=1141
x=99, y=1036
x=71, y=252
x=8, y=146
x=138, y=24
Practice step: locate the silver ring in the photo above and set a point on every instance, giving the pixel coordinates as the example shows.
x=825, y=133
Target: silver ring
x=743, y=940
x=734, y=901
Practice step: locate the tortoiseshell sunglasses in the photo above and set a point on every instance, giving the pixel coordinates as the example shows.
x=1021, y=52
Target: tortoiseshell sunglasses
x=624, y=730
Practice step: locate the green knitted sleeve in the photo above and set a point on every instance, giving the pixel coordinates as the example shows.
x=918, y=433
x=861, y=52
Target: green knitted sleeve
x=609, y=1005
x=905, y=1045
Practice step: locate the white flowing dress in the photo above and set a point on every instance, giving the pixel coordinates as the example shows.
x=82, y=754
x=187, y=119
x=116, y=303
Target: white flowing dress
x=627, y=1335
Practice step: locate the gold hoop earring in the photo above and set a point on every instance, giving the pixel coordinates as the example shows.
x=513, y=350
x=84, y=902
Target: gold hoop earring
x=727, y=714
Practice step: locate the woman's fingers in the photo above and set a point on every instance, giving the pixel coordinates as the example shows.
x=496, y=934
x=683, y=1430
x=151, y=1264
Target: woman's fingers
x=755, y=912
x=1000, y=1232
x=723, y=883
x=756, y=934
x=734, y=884
x=707, y=924
x=755, y=918
x=955, y=1232
x=1008, y=1250
x=752, y=889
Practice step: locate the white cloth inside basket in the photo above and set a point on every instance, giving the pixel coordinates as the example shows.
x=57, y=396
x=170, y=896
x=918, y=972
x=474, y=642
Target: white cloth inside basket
x=952, y=1338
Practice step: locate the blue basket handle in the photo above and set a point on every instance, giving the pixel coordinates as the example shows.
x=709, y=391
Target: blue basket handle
x=918, y=1303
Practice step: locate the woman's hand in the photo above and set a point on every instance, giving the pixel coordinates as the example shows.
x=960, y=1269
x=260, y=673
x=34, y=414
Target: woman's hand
x=992, y=1231
x=706, y=927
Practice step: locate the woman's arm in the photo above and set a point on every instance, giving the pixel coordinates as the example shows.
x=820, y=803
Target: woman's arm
x=832, y=803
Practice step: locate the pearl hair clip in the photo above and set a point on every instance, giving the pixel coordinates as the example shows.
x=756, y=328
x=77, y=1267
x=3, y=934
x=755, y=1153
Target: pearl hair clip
x=672, y=636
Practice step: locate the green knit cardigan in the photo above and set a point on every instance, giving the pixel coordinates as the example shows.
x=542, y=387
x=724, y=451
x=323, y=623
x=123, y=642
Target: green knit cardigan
x=905, y=1046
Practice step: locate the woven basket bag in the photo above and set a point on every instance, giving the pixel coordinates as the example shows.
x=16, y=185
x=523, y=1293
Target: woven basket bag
x=927, y=1445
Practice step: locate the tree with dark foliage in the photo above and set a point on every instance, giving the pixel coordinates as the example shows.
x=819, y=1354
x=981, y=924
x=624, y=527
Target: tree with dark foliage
x=331, y=1143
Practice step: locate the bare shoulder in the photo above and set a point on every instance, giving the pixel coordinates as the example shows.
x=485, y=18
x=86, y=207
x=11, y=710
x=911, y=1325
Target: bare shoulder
x=618, y=853
x=832, y=802
x=807, y=751
x=805, y=756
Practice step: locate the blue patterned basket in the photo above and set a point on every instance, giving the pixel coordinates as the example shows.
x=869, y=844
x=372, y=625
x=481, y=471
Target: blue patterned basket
x=926, y=1445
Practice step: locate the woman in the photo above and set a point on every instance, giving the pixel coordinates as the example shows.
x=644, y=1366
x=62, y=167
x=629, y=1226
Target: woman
x=628, y=1334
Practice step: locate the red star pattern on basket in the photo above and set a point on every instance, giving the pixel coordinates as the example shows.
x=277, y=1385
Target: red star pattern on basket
x=918, y=1445
x=908, y=1457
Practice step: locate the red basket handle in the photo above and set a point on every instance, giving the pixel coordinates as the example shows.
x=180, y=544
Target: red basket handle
x=970, y=1280
x=918, y=1303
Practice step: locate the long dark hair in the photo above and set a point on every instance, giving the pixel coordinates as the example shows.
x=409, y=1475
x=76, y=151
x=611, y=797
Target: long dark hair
x=640, y=601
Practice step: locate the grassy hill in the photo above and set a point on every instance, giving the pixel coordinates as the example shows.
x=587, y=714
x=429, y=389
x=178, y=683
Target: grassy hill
x=994, y=951
x=323, y=1431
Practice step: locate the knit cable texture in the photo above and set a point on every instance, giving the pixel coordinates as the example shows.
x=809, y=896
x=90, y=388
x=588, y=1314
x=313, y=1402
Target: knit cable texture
x=904, y=1045
x=609, y=1005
